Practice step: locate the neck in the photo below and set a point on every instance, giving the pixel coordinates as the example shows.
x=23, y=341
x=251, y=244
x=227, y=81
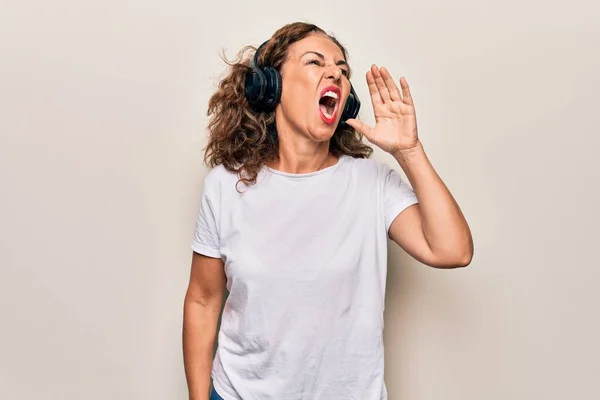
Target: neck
x=299, y=154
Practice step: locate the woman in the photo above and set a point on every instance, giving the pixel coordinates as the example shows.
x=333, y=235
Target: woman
x=294, y=221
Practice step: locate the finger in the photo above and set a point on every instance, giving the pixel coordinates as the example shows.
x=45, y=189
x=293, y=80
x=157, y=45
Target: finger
x=406, y=109
x=360, y=127
x=383, y=91
x=391, y=85
x=407, y=98
x=373, y=91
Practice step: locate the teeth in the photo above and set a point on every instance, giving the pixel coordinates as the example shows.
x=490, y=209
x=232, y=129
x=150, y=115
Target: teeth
x=330, y=93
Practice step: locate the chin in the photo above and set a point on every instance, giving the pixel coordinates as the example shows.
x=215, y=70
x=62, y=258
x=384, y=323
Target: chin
x=323, y=133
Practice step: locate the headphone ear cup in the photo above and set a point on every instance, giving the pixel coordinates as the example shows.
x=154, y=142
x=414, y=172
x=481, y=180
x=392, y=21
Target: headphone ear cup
x=263, y=85
x=347, y=107
x=272, y=93
x=352, y=106
x=255, y=86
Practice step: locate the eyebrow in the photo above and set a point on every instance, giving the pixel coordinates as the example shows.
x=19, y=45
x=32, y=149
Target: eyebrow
x=322, y=57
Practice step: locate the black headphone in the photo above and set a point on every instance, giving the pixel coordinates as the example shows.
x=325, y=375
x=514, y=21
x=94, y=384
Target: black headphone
x=263, y=90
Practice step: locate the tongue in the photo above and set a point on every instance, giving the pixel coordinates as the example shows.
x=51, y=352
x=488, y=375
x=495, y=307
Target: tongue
x=325, y=111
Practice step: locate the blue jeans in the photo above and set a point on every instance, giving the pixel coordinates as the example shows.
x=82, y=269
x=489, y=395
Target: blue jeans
x=214, y=395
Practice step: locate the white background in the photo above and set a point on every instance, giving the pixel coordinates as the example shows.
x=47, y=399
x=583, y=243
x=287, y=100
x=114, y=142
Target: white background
x=102, y=124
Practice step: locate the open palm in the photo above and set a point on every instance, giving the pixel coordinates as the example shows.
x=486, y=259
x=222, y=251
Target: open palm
x=395, y=127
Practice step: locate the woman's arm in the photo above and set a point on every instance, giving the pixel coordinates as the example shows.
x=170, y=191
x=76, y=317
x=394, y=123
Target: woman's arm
x=202, y=306
x=434, y=231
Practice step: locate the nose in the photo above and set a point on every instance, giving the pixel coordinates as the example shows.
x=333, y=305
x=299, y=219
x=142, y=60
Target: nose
x=334, y=72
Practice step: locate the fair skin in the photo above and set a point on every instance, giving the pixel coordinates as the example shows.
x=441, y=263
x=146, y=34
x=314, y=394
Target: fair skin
x=434, y=231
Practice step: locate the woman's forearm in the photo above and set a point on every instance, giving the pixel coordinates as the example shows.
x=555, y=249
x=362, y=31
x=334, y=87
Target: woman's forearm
x=444, y=225
x=199, y=334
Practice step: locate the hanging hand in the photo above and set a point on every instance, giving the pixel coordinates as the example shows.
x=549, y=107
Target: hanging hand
x=395, y=127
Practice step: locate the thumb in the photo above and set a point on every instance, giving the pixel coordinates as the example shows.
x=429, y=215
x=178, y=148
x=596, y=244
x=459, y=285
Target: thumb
x=360, y=126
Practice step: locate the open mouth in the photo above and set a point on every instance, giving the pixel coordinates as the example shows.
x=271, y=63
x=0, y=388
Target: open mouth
x=328, y=103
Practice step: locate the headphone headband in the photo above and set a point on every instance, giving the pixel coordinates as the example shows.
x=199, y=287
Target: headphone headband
x=255, y=58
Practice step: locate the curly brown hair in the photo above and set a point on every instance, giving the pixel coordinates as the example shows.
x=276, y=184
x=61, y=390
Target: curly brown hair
x=242, y=139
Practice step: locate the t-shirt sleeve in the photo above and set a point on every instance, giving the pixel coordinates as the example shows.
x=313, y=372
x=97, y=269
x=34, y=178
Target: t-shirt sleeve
x=397, y=195
x=205, y=239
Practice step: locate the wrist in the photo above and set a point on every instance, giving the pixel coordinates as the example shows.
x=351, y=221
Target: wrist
x=405, y=155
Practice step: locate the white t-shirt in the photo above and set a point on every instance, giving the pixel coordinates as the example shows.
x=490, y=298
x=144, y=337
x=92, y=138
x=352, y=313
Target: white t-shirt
x=306, y=261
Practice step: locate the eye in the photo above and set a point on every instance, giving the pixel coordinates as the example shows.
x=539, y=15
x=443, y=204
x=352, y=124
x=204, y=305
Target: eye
x=345, y=72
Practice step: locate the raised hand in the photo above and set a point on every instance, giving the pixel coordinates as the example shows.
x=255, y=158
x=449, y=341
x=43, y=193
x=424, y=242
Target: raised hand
x=395, y=127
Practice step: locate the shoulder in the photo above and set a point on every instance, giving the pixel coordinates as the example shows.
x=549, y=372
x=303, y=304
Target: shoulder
x=218, y=180
x=218, y=175
x=368, y=168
